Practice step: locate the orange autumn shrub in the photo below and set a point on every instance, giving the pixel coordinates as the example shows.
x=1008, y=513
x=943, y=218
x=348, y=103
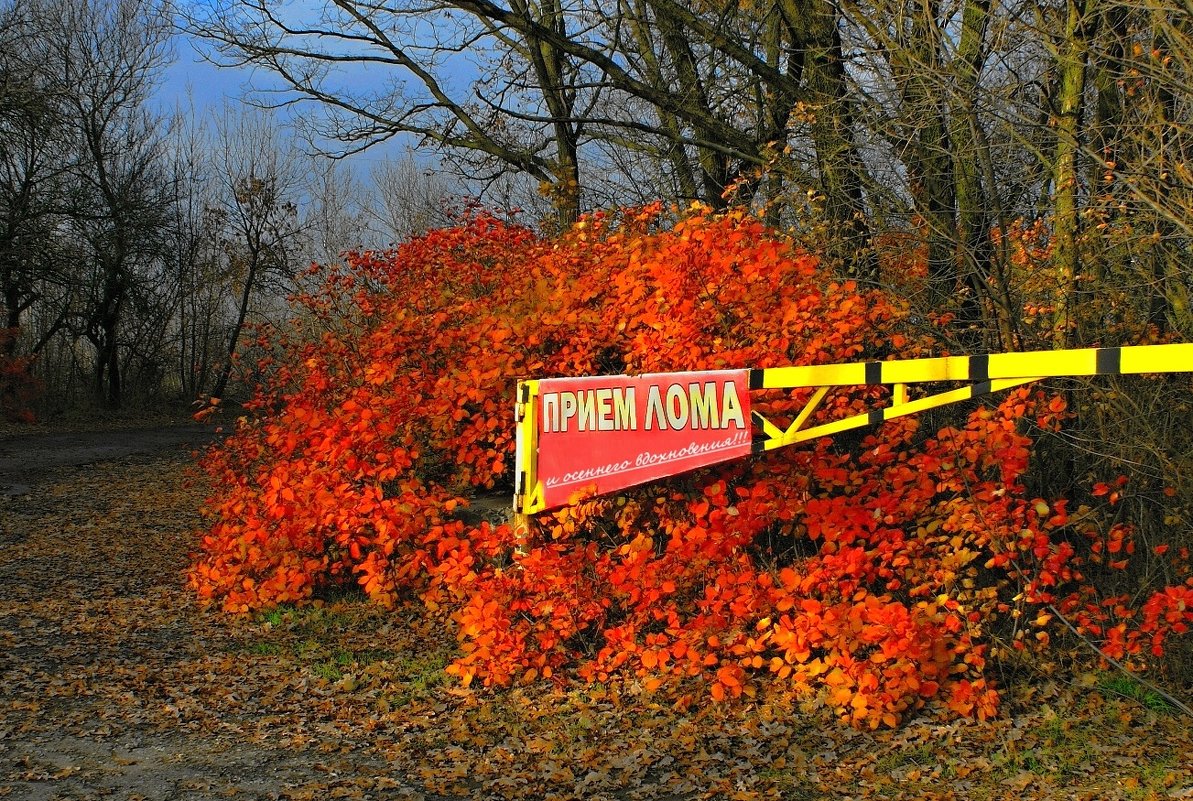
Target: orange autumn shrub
x=870, y=573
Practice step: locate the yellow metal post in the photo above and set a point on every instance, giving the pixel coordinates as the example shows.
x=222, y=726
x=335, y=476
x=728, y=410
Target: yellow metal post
x=527, y=493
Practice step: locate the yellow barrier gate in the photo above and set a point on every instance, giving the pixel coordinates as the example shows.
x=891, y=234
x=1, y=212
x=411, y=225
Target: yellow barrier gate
x=637, y=411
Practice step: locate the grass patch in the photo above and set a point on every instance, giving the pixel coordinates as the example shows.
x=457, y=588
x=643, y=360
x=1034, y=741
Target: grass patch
x=327, y=671
x=310, y=619
x=1156, y=778
x=263, y=648
x=787, y=779
x=276, y=616
x=1070, y=748
x=1122, y=685
x=416, y=676
x=920, y=756
x=355, y=642
x=1051, y=745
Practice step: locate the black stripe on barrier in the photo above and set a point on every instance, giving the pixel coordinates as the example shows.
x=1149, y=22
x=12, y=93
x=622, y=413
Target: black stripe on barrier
x=1109, y=361
x=756, y=378
x=873, y=373
x=981, y=388
x=522, y=481
x=525, y=393
x=979, y=367
x=758, y=446
x=875, y=417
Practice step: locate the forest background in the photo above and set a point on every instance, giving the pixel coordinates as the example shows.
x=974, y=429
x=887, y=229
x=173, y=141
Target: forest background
x=1017, y=173
x=930, y=148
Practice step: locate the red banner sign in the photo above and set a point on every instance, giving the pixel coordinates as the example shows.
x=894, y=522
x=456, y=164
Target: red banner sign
x=605, y=433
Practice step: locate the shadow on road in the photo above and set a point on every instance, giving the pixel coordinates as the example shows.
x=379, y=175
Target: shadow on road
x=24, y=458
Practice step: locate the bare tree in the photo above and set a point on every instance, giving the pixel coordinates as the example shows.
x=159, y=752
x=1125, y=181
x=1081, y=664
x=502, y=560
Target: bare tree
x=195, y=259
x=410, y=199
x=947, y=122
x=336, y=216
x=1132, y=171
x=522, y=114
x=560, y=90
x=35, y=160
x=256, y=212
x=99, y=60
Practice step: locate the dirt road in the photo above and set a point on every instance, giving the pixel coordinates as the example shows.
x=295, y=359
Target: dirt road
x=24, y=458
x=113, y=684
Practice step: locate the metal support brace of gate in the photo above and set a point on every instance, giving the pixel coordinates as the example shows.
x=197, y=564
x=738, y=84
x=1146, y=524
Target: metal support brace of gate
x=982, y=374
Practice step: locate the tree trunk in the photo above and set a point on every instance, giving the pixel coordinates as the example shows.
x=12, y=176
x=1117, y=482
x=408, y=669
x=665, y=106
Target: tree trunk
x=549, y=65
x=12, y=315
x=971, y=252
x=917, y=68
x=1066, y=258
x=108, y=391
x=714, y=166
x=817, y=41
x=221, y=383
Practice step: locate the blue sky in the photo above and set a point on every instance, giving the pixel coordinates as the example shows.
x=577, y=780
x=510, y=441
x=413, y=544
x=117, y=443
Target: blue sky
x=191, y=78
x=207, y=84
